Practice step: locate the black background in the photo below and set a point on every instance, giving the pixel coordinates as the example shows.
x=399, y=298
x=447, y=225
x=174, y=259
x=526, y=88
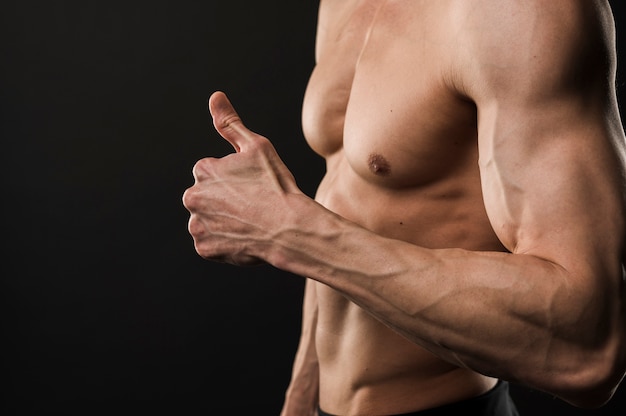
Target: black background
x=106, y=308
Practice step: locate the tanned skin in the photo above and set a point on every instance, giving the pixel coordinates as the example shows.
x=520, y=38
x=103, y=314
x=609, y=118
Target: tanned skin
x=470, y=225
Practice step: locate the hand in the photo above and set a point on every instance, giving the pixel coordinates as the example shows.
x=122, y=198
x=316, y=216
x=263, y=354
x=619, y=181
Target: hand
x=237, y=203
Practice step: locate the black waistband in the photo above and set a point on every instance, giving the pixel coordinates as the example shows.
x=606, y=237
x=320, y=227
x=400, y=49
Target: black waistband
x=495, y=402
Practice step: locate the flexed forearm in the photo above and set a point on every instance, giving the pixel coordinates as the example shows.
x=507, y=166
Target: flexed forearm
x=513, y=316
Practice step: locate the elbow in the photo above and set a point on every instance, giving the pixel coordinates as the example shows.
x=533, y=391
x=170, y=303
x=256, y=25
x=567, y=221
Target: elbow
x=597, y=363
x=596, y=379
x=591, y=396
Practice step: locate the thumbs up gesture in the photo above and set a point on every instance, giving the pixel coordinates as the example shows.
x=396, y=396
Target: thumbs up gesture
x=238, y=202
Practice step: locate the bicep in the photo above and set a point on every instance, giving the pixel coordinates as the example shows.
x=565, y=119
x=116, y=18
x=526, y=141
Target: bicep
x=552, y=181
x=550, y=141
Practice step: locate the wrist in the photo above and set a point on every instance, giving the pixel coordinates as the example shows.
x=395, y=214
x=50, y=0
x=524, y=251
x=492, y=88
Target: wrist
x=296, y=231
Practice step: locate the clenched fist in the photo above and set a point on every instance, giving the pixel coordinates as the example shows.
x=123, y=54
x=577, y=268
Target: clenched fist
x=238, y=203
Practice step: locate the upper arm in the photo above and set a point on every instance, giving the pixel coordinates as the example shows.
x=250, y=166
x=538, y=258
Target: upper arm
x=551, y=142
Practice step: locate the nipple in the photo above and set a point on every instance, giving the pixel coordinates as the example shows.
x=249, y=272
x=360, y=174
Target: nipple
x=378, y=165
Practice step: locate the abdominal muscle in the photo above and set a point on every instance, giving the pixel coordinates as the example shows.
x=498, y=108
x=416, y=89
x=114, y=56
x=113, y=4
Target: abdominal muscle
x=365, y=367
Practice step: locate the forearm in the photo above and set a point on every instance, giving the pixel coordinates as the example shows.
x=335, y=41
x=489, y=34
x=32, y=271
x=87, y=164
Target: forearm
x=517, y=317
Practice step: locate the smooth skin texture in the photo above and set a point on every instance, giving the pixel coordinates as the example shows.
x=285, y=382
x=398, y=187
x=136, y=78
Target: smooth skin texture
x=470, y=225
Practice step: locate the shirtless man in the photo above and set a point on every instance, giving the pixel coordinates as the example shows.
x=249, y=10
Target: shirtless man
x=470, y=225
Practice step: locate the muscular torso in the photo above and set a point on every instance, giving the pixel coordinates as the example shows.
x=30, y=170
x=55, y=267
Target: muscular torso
x=402, y=160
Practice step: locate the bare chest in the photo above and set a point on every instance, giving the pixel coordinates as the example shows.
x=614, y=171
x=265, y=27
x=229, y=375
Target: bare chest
x=381, y=93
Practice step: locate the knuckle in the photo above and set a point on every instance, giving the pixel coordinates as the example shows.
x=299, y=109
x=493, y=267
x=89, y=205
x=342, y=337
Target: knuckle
x=202, y=251
x=191, y=199
x=195, y=227
x=203, y=168
x=261, y=145
x=207, y=251
x=263, y=142
x=188, y=199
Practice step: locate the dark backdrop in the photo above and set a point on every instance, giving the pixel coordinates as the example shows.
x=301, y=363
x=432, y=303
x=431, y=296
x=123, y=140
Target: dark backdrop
x=106, y=308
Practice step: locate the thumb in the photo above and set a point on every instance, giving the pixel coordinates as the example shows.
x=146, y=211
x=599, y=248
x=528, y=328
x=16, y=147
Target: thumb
x=228, y=123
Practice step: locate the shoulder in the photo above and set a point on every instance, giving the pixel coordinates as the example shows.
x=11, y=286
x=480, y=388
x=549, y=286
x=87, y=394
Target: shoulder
x=533, y=42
